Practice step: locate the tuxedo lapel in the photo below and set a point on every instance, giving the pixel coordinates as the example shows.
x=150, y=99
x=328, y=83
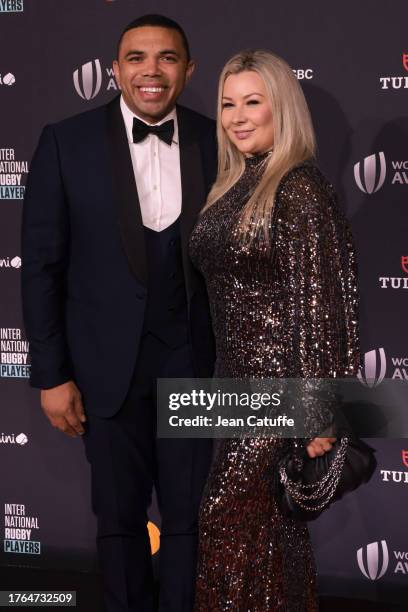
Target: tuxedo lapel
x=125, y=192
x=192, y=187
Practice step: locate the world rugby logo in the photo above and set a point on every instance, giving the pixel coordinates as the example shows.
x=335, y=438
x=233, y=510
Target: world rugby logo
x=88, y=79
x=372, y=372
x=370, y=174
x=373, y=560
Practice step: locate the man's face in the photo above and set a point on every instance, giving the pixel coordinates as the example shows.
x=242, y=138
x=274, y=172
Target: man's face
x=152, y=71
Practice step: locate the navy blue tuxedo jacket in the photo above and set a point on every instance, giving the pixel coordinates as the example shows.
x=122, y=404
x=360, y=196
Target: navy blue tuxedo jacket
x=84, y=278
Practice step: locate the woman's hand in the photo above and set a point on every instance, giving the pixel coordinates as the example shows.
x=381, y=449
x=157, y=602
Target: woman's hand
x=318, y=446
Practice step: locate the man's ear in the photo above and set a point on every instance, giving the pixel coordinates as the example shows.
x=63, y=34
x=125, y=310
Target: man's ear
x=116, y=71
x=190, y=69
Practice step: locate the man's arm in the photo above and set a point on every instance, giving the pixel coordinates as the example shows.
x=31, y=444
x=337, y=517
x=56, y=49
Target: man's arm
x=45, y=247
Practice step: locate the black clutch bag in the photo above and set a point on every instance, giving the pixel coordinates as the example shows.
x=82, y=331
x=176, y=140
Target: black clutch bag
x=306, y=486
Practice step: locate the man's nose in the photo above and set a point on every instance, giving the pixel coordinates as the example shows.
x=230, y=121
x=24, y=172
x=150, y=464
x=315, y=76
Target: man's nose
x=151, y=67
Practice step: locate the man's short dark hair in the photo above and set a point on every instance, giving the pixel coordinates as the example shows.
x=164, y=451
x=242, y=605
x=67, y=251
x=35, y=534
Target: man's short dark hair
x=159, y=21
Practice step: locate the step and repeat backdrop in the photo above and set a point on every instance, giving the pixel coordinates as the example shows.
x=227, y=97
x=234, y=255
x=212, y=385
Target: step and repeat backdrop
x=352, y=60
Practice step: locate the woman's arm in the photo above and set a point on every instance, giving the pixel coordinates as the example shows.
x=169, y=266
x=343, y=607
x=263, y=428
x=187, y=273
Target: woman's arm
x=317, y=263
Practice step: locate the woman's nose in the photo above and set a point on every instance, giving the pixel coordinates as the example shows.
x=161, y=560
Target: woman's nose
x=238, y=114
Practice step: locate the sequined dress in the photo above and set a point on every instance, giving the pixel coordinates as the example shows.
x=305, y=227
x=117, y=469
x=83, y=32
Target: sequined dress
x=287, y=312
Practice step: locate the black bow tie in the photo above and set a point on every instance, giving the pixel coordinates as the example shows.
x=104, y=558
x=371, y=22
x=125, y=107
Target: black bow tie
x=164, y=131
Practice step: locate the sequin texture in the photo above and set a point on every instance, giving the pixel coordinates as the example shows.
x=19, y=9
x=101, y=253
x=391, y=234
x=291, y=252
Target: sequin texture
x=290, y=311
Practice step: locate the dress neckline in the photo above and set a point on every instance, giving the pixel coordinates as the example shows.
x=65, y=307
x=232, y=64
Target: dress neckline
x=254, y=160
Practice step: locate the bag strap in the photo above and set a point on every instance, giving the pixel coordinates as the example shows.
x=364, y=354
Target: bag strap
x=323, y=489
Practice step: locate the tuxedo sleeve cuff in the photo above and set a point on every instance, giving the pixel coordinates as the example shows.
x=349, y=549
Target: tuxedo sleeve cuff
x=49, y=381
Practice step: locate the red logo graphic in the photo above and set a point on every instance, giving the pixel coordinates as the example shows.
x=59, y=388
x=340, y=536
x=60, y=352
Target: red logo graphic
x=405, y=60
x=404, y=263
x=404, y=454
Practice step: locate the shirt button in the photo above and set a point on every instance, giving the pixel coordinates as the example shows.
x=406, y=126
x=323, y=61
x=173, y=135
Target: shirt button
x=155, y=187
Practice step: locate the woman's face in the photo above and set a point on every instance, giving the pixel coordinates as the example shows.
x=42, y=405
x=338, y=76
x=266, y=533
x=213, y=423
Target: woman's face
x=246, y=113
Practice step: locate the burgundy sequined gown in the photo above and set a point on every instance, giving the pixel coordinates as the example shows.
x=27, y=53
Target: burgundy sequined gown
x=290, y=312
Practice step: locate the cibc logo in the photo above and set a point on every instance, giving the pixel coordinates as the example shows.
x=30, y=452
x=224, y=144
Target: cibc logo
x=303, y=73
x=374, y=170
x=372, y=372
x=371, y=562
x=88, y=79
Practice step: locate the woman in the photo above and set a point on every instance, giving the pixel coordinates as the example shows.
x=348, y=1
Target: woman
x=279, y=264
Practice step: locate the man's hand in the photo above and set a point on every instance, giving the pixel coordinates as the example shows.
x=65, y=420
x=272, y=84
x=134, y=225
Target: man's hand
x=63, y=407
x=318, y=446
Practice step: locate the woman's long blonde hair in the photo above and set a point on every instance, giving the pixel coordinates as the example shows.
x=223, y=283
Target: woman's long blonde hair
x=294, y=139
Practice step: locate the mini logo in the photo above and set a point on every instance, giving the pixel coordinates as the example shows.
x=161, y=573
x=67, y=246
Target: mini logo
x=14, y=262
x=368, y=559
x=404, y=454
x=8, y=79
x=373, y=173
x=20, y=439
x=368, y=374
x=405, y=60
x=88, y=79
x=404, y=263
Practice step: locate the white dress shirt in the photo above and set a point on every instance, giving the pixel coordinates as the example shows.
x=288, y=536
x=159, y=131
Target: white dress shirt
x=157, y=173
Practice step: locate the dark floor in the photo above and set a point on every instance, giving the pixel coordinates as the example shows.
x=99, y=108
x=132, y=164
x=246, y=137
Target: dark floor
x=89, y=598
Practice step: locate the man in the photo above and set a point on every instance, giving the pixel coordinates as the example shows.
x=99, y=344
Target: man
x=111, y=303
